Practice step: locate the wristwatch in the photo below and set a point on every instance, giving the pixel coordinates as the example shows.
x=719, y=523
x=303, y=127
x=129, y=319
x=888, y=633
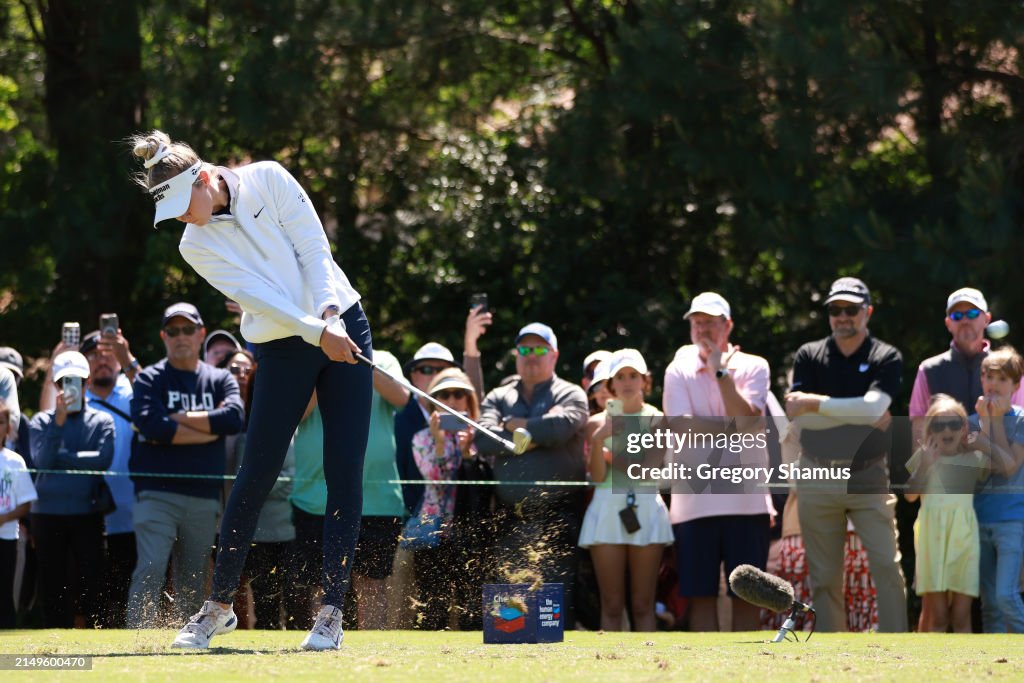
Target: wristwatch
x=721, y=372
x=135, y=365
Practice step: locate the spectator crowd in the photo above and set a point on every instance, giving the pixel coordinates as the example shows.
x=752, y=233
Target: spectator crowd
x=111, y=493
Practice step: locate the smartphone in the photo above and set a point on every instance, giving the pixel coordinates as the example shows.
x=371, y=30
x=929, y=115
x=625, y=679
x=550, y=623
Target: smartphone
x=479, y=300
x=451, y=423
x=72, y=387
x=71, y=334
x=613, y=407
x=109, y=324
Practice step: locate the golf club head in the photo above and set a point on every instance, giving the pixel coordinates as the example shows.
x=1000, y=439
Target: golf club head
x=521, y=440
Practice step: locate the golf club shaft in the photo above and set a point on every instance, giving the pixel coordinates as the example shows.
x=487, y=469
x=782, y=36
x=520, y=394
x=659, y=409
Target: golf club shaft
x=508, y=445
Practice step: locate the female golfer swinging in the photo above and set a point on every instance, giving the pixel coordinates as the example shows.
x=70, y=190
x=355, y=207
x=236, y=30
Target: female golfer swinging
x=252, y=233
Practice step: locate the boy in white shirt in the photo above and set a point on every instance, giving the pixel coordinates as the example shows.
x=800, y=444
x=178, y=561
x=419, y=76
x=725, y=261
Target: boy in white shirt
x=16, y=494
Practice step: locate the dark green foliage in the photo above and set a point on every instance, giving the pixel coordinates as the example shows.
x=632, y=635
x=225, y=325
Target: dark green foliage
x=590, y=164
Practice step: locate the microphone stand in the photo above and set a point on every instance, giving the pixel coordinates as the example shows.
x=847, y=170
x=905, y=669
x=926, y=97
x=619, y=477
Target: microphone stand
x=789, y=627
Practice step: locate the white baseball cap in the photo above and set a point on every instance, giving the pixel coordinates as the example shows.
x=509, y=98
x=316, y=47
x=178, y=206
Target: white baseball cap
x=598, y=356
x=70, y=364
x=711, y=303
x=627, y=358
x=219, y=334
x=601, y=374
x=172, y=196
x=431, y=351
x=969, y=295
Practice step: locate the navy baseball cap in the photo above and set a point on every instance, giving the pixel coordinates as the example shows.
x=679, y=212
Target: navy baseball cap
x=185, y=310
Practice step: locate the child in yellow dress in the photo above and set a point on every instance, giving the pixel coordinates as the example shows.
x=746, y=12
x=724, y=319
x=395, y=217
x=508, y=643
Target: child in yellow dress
x=945, y=471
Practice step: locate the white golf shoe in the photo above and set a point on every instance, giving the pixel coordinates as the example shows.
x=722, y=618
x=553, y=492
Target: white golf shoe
x=212, y=620
x=327, y=632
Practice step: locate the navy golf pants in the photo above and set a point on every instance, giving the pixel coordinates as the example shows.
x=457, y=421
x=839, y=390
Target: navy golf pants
x=289, y=369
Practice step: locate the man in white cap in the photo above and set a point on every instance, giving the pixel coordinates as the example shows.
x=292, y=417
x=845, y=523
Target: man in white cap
x=712, y=378
x=846, y=383
x=537, y=528
x=67, y=518
x=957, y=370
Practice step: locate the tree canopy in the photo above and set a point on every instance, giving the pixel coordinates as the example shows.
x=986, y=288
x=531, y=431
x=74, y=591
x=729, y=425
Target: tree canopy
x=589, y=163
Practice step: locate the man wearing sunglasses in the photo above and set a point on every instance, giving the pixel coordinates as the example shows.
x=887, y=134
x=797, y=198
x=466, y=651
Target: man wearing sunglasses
x=537, y=527
x=956, y=371
x=844, y=385
x=183, y=409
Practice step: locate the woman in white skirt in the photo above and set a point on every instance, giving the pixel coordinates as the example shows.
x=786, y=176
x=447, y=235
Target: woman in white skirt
x=626, y=524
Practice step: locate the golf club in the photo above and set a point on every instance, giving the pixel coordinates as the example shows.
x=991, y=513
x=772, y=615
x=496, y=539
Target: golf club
x=520, y=437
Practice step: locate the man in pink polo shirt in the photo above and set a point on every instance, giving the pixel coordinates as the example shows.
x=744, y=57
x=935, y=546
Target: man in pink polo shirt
x=712, y=378
x=957, y=371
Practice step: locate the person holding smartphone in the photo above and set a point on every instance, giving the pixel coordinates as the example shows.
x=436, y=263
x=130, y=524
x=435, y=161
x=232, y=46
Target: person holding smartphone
x=253, y=234
x=67, y=522
x=438, y=450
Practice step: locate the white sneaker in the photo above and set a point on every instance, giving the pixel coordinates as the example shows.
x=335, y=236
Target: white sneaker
x=327, y=632
x=212, y=620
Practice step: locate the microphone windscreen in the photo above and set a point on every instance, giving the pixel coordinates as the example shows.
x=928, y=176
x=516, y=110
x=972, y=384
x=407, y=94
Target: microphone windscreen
x=761, y=588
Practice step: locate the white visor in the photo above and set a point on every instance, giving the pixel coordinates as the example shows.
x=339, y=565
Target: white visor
x=172, y=196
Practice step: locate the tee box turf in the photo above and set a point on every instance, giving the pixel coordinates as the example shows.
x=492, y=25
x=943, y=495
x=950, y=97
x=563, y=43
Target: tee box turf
x=523, y=613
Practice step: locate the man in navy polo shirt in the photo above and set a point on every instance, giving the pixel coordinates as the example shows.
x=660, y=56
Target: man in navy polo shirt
x=845, y=384
x=183, y=409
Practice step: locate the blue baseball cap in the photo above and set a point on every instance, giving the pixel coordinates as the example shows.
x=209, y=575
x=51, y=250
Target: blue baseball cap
x=541, y=330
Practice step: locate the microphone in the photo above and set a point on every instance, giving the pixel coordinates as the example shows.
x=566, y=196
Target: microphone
x=770, y=592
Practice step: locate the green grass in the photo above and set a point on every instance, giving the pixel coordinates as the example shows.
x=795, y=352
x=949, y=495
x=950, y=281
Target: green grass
x=620, y=657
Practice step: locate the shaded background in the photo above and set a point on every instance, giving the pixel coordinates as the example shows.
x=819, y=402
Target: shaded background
x=592, y=164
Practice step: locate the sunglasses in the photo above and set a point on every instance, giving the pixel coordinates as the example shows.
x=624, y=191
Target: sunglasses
x=451, y=394
x=187, y=330
x=970, y=314
x=954, y=424
x=428, y=369
x=836, y=310
x=239, y=371
x=535, y=350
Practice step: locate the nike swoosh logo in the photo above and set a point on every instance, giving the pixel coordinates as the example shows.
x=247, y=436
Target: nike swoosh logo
x=257, y=214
